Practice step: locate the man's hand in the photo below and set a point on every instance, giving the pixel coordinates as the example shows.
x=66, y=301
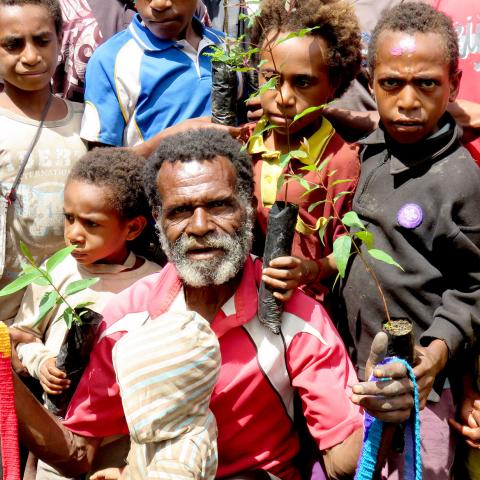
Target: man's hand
x=285, y=274
x=19, y=336
x=429, y=362
x=107, y=474
x=389, y=400
x=469, y=416
x=53, y=380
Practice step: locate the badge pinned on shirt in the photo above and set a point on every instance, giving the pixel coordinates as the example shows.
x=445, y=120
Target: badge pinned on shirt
x=410, y=215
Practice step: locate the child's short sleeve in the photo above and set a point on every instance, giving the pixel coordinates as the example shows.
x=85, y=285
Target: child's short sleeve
x=103, y=120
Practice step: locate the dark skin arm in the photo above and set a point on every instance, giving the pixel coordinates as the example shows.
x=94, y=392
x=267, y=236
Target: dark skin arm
x=146, y=148
x=45, y=436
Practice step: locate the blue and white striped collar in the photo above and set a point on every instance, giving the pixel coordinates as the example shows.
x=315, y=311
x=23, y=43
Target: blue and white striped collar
x=148, y=41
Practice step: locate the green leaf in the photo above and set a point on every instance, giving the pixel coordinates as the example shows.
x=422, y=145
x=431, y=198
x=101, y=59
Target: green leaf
x=59, y=257
x=299, y=154
x=26, y=252
x=68, y=317
x=308, y=168
x=285, y=159
x=341, y=194
x=322, y=164
x=79, y=285
x=307, y=111
x=83, y=305
x=343, y=180
x=298, y=33
x=351, y=219
x=341, y=253
x=321, y=230
x=45, y=280
x=383, y=257
x=303, y=183
x=280, y=182
x=47, y=302
x=269, y=85
x=366, y=237
x=27, y=268
x=313, y=206
x=19, y=283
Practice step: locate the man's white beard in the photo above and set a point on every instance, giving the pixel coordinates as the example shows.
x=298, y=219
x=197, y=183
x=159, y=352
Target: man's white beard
x=215, y=271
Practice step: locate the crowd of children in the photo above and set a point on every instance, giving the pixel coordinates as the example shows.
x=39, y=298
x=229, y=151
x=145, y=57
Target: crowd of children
x=410, y=181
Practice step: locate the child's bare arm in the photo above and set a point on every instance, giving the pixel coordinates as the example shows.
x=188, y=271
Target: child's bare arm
x=285, y=274
x=52, y=380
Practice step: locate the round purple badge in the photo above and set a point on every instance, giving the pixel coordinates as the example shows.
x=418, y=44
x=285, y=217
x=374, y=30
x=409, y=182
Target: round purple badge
x=410, y=215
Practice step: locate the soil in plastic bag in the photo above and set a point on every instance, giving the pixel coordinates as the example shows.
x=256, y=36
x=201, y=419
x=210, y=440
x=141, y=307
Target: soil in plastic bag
x=224, y=94
x=73, y=358
x=278, y=243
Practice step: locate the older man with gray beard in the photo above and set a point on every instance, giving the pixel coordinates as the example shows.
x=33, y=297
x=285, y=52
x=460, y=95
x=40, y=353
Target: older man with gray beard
x=200, y=186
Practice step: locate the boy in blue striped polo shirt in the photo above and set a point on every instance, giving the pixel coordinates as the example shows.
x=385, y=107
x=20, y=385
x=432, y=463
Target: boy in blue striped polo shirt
x=149, y=77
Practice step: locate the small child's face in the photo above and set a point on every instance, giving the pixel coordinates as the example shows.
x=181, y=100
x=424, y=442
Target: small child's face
x=94, y=225
x=167, y=19
x=303, y=80
x=412, y=84
x=28, y=47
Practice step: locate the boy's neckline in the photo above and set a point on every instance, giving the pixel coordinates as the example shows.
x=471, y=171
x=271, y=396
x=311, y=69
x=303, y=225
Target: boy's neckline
x=58, y=110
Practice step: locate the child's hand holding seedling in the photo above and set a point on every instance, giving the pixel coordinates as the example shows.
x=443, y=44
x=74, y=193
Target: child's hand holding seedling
x=53, y=380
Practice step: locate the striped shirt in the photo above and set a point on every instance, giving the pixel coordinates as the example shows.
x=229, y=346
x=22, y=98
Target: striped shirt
x=166, y=371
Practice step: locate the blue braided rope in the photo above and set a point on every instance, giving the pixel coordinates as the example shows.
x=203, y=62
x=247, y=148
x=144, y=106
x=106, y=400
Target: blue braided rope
x=373, y=435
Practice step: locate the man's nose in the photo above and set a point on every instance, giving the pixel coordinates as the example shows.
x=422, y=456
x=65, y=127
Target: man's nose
x=200, y=223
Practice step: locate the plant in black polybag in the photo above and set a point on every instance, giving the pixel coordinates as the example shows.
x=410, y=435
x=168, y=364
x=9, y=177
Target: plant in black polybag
x=81, y=322
x=230, y=60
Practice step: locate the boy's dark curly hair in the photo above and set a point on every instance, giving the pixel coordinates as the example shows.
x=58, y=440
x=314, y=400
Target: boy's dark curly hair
x=53, y=7
x=120, y=171
x=334, y=20
x=416, y=17
x=202, y=144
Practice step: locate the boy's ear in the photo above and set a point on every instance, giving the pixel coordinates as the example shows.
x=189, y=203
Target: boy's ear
x=136, y=226
x=454, y=85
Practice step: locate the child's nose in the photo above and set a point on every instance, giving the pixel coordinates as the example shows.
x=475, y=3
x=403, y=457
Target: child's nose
x=160, y=4
x=286, y=95
x=408, y=99
x=30, y=54
x=75, y=234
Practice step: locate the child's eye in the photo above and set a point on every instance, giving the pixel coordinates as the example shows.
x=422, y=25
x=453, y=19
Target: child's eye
x=427, y=83
x=303, y=81
x=12, y=45
x=91, y=224
x=389, y=83
x=68, y=217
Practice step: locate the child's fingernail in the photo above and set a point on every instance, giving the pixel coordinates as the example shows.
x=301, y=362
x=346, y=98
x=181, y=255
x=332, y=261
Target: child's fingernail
x=357, y=389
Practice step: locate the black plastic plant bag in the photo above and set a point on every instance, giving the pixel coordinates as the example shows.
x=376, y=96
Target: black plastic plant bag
x=73, y=358
x=224, y=94
x=278, y=243
x=401, y=344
